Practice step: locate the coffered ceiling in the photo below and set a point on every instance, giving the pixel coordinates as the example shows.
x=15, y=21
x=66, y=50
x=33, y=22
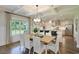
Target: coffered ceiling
x=45, y=11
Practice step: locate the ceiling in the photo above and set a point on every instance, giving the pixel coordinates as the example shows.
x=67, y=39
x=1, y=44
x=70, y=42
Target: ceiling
x=45, y=11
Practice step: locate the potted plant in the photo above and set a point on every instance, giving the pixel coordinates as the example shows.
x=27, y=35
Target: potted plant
x=35, y=30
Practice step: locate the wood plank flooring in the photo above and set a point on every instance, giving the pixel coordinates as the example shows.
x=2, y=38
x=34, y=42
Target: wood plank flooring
x=67, y=47
x=13, y=48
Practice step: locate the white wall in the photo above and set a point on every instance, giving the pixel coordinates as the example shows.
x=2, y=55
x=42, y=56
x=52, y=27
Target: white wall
x=5, y=37
x=76, y=33
x=16, y=38
x=2, y=28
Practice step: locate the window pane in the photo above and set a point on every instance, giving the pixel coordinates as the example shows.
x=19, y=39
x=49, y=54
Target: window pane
x=18, y=27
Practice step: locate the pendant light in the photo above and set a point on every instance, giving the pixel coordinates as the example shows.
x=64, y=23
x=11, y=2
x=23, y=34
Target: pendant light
x=37, y=18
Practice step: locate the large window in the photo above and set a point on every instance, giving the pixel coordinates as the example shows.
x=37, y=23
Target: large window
x=18, y=26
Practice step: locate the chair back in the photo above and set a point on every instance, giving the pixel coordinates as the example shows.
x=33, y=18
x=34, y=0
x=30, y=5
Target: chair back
x=22, y=43
x=57, y=43
x=27, y=41
x=36, y=44
x=54, y=46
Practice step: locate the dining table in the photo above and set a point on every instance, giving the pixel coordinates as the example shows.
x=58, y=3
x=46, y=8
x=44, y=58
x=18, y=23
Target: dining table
x=46, y=40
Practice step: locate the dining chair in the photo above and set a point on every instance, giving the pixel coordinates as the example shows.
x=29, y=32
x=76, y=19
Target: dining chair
x=48, y=34
x=54, y=46
x=22, y=43
x=28, y=42
x=38, y=46
x=41, y=32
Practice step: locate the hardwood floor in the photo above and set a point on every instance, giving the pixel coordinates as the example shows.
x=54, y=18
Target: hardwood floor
x=67, y=47
x=10, y=49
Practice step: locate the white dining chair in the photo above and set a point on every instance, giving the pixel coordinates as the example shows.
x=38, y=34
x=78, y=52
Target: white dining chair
x=22, y=43
x=54, y=46
x=41, y=33
x=38, y=46
x=48, y=34
x=28, y=43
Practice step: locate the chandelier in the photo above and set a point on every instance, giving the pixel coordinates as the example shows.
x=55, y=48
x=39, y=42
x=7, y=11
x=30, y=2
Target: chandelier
x=37, y=18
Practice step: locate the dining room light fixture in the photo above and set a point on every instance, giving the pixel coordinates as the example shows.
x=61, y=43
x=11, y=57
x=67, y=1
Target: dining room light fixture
x=37, y=18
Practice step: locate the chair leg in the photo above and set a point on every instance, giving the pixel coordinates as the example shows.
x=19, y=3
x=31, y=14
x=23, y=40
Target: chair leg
x=29, y=51
x=58, y=52
x=46, y=49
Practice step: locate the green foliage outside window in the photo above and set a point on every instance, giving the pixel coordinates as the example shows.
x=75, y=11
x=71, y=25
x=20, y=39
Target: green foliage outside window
x=18, y=27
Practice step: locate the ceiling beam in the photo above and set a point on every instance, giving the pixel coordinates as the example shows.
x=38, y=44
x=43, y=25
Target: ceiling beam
x=16, y=14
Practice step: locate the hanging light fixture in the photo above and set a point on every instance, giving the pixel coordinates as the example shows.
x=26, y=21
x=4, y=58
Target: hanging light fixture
x=37, y=18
